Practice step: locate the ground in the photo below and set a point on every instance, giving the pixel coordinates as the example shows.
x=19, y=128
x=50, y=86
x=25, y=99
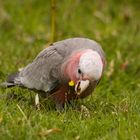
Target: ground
x=113, y=110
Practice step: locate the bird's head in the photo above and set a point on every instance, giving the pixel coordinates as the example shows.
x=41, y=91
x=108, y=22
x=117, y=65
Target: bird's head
x=84, y=67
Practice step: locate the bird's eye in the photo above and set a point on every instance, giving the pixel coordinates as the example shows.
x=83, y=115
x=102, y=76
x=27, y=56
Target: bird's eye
x=79, y=71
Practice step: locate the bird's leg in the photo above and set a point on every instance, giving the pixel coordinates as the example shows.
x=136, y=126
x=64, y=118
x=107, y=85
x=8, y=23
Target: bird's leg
x=59, y=107
x=37, y=103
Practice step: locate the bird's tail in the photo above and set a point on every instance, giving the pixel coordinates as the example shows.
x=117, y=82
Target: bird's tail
x=10, y=81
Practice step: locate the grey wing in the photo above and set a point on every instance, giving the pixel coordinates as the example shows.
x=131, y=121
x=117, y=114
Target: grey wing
x=43, y=73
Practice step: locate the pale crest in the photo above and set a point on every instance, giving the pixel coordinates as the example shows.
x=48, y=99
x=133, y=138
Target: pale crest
x=91, y=64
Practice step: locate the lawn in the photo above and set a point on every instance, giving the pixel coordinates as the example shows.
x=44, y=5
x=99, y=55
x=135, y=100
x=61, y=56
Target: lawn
x=113, y=111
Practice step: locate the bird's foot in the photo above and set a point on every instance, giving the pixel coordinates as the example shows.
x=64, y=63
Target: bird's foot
x=37, y=103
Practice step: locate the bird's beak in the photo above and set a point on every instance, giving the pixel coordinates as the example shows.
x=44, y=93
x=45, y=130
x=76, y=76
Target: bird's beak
x=81, y=86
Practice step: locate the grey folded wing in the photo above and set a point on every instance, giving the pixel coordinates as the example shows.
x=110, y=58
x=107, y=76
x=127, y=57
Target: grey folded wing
x=43, y=73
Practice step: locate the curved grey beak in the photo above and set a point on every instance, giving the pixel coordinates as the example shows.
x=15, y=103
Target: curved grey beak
x=81, y=86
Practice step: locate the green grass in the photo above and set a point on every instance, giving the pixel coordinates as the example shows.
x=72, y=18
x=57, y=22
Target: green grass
x=114, y=108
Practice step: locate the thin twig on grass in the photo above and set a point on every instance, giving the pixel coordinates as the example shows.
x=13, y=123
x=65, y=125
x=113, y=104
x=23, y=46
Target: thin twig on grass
x=25, y=117
x=53, y=21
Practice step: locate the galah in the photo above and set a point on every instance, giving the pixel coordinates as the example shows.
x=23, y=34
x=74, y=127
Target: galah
x=64, y=71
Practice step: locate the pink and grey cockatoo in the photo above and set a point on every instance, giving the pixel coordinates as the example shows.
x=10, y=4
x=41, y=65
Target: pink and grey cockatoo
x=66, y=70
